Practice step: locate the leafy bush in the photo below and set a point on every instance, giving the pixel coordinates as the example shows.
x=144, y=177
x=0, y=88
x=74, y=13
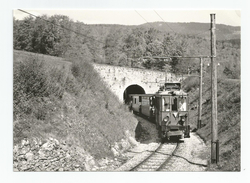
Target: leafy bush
x=68, y=103
x=106, y=118
x=35, y=86
x=190, y=84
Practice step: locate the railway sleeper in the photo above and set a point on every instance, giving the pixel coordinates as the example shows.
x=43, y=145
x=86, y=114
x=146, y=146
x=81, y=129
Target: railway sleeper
x=156, y=160
x=144, y=170
x=158, y=157
x=149, y=166
x=152, y=163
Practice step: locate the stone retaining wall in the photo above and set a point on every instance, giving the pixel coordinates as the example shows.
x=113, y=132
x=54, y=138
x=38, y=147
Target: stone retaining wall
x=34, y=155
x=52, y=155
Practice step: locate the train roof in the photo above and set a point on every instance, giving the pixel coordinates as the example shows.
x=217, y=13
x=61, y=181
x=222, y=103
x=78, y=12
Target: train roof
x=175, y=92
x=144, y=95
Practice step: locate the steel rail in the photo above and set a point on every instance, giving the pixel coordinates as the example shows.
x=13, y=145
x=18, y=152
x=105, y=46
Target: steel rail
x=148, y=157
x=167, y=160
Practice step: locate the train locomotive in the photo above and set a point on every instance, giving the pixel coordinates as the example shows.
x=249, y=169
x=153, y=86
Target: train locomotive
x=168, y=109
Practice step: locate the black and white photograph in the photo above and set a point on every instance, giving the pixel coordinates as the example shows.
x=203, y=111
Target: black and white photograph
x=96, y=96
x=147, y=91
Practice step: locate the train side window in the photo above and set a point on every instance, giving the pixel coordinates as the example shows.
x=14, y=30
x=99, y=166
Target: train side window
x=139, y=98
x=151, y=101
x=174, y=104
x=135, y=100
x=182, y=104
x=165, y=104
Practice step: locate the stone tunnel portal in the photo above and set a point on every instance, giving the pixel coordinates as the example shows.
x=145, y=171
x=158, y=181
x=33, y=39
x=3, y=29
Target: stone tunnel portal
x=132, y=89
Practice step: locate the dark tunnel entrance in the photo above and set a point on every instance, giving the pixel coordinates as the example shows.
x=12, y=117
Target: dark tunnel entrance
x=132, y=89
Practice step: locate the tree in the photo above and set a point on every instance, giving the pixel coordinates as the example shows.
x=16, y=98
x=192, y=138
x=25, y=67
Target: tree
x=135, y=45
x=22, y=34
x=114, y=53
x=177, y=46
x=60, y=35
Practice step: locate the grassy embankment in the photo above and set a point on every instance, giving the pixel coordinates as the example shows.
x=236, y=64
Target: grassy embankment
x=228, y=104
x=69, y=102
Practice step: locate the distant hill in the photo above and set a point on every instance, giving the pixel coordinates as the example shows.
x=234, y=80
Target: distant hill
x=223, y=32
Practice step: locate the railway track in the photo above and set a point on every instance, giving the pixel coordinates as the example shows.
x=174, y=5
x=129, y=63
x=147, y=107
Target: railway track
x=157, y=160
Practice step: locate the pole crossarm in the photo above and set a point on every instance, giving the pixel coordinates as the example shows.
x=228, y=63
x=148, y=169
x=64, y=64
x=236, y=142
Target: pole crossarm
x=202, y=56
x=191, y=76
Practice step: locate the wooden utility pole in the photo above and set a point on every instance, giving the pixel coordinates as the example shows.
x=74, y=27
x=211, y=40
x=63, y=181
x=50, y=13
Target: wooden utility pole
x=200, y=97
x=214, y=124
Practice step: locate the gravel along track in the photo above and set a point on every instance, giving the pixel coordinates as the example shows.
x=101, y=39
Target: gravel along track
x=157, y=159
x=191, y=154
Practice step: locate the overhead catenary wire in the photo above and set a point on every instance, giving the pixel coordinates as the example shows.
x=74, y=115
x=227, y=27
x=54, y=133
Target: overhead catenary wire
x=84, y=35
x=164, y=21
x=173, y=30
x=170, y=57
x=143, y=18
x=62, y=27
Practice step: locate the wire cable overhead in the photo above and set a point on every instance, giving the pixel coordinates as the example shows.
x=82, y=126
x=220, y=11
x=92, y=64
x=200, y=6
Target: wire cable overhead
x=164, y=21
x=62, y=27
x=143, y=18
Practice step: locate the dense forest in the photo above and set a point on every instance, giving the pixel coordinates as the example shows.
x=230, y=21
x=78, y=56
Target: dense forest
x=131, y=46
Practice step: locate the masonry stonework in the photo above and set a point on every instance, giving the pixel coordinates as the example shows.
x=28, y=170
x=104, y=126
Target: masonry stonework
x=119, y=78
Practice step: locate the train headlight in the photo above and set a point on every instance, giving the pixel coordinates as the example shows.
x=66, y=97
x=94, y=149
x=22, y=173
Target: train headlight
x=181, y=120
x=166, y=119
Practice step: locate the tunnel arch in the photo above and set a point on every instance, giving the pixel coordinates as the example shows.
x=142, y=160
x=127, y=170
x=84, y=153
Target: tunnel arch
x=132, y=89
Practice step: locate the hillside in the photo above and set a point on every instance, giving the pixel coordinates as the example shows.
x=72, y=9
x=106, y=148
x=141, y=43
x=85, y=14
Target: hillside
x=229, y=120
x=68, y=103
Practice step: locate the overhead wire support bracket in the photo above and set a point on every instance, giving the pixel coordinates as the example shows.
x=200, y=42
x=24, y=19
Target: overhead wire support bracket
x=202, y=56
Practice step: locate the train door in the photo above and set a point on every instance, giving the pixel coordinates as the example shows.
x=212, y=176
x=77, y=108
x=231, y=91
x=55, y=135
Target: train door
x=136, y=104
x=152, y=107
x=174, y=104
x=157, y=111
x=130, y=103
x=140, y=103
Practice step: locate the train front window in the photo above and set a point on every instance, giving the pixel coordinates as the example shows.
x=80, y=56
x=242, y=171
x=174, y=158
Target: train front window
x=182, y=104
x=174, y=104
x=165, y=104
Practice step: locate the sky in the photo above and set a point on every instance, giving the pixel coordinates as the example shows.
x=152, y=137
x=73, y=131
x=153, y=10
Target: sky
x=137, y=16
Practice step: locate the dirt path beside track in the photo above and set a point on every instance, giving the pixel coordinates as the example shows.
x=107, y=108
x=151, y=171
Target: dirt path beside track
x=191, y=155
